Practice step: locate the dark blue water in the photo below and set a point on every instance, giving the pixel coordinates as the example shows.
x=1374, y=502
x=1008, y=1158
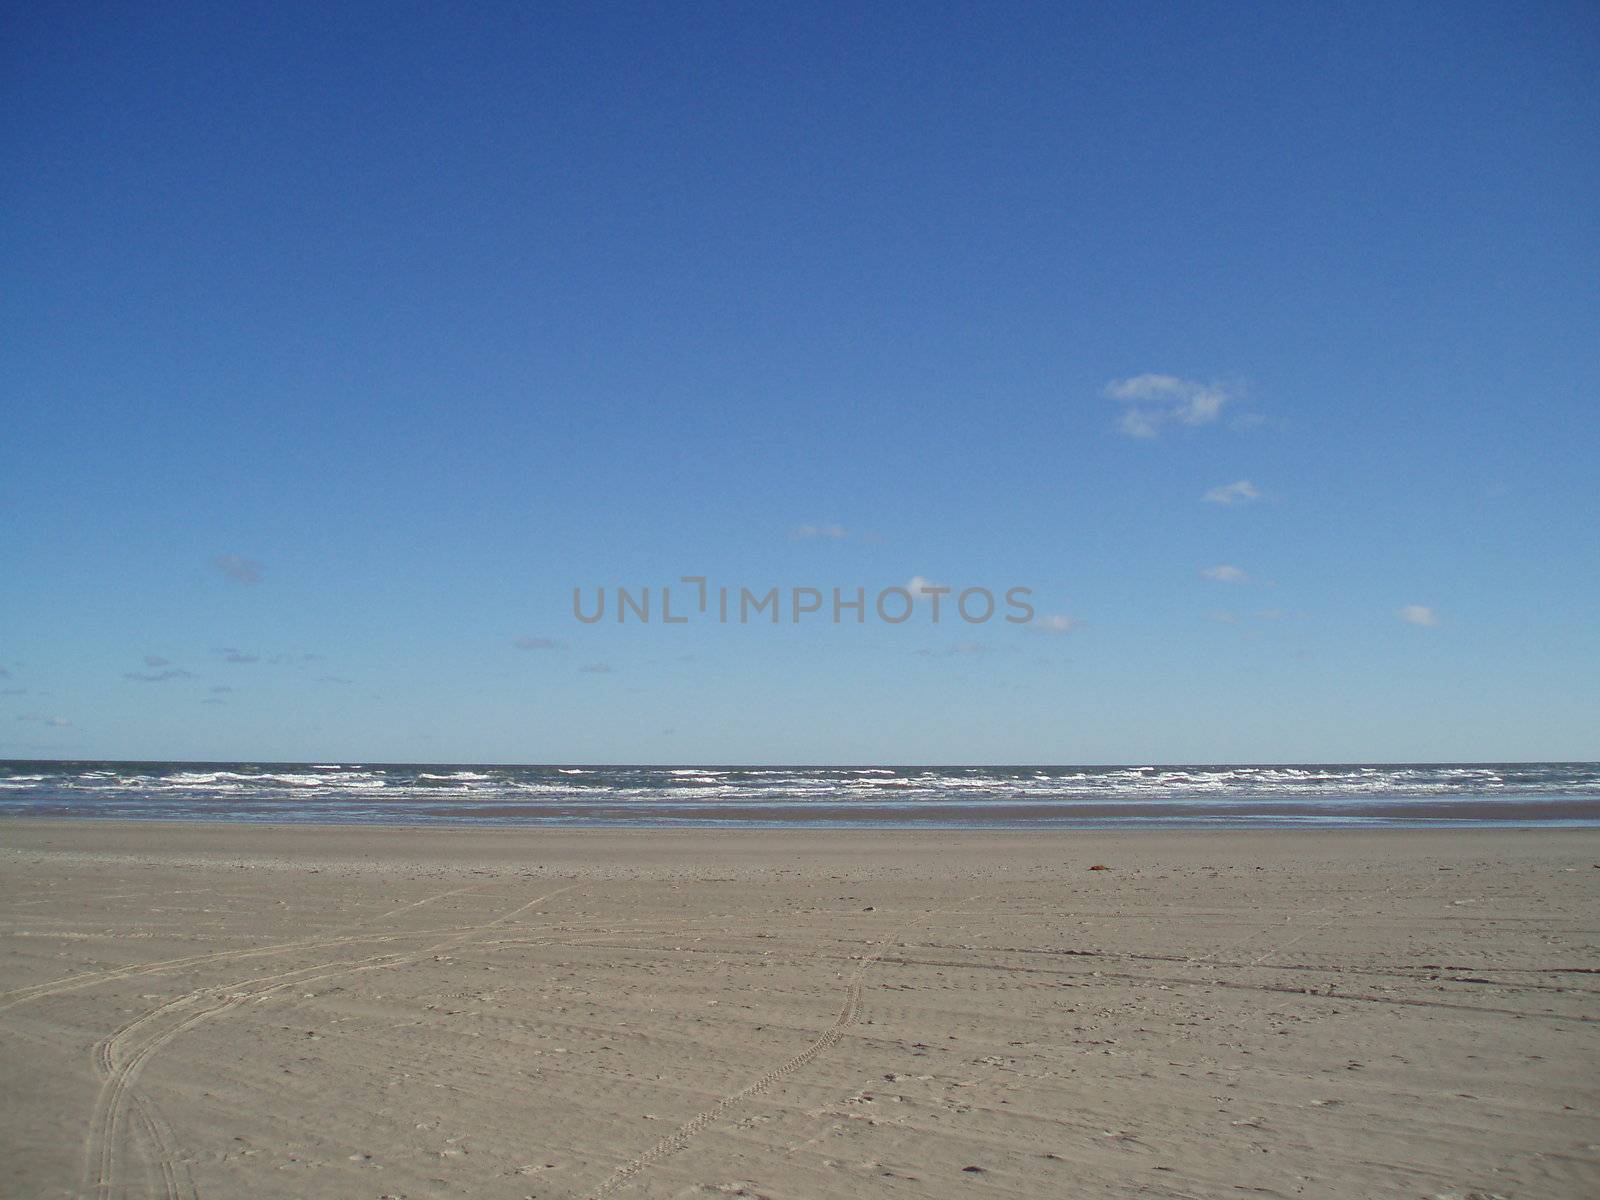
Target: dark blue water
x=1417, y=794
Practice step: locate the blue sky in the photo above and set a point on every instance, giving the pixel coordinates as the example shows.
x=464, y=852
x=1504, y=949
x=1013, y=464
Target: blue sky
x=341, y=344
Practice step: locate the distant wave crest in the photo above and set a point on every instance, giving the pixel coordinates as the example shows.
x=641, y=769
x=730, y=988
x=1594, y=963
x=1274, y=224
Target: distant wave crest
x=768, y=796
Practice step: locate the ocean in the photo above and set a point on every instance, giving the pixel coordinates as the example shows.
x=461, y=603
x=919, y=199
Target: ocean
x=1531, y=795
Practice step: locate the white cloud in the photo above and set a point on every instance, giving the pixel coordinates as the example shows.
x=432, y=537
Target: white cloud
x=240, y=570
x=1135, y=423
x=596, y=669
x=1241, y=491
x=1147, y=387
x=920, y=587
x=1055, y=623
x=959, y=648
x=538, y=643
x=830, y=530
x=1418, y=614
x=1224, y=573
x=1157, y=400
x=1263, y=614
x=41, y=719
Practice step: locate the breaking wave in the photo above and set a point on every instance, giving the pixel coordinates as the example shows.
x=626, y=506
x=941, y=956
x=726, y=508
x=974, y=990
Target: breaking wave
x=772, y=796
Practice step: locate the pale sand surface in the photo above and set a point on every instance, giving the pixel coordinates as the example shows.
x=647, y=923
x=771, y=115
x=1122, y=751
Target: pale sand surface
x=237, y=1012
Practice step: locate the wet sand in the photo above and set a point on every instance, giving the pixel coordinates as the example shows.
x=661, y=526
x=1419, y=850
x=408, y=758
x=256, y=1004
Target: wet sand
x=231, y=1011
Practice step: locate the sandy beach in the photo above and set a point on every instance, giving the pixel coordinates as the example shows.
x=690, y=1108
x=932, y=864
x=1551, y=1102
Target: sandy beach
x=233, y=1011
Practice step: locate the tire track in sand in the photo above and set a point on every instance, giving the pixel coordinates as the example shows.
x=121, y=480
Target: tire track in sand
x=849, y=1014
x=40, y=991
x=121, y=1056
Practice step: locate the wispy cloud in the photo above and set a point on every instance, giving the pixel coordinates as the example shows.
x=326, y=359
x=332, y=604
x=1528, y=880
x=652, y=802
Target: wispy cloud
x=538, y=643
x=1418, y=614
x=1156, y=400
x=960, y=648
x=221, y=687
x=1224, y=573
x=596, y=669
x=1056, y=623
x=823, y=529
x=945, y=600
x=155, y=660
x=238, y=569
x=157, y=676
x=333, y=679
x=1241, y=491
x=1230, y=618
x=233, y=654
x=42, y=719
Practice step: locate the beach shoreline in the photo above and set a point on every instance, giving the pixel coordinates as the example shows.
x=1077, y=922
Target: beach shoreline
x=223, y=1009
x=1552, y=795
x=289, y=842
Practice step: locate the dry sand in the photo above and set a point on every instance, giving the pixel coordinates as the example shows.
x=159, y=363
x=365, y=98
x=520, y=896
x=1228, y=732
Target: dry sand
x=236, y=1012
